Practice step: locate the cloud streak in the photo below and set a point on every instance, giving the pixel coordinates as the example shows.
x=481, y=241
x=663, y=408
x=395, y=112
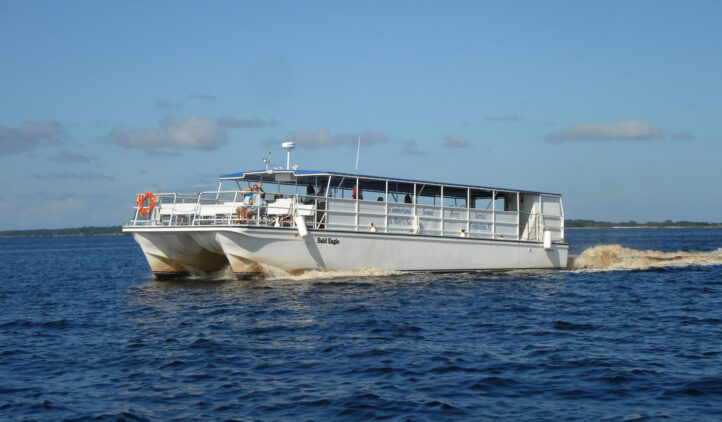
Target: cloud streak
x=191, y=132
x=684, y=136
x=411, y=147
x=456, y=141
x=30, y=135
x=505, y=118
x=629, y=129
x=70, y=157
x=53, y=195
x=167, y=104
x=70, y=175
x=323, y=138
x=232, y=122
x=201, y=96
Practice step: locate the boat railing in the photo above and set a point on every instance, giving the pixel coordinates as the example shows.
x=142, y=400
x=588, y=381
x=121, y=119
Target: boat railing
x=226, y=208
x=220, y=208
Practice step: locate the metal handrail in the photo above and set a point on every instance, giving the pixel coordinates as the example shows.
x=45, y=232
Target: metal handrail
x=167, y=213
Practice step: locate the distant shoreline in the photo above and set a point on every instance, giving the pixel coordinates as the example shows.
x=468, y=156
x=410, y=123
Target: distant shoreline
x=667, y=224
x=69, y=232
x=569, y=224
x=711, y=226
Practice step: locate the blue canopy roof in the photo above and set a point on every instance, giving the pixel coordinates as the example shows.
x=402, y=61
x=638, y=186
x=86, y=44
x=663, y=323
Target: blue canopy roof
x=303, y=177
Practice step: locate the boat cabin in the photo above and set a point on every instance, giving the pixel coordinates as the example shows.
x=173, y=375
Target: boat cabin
x=333, y=201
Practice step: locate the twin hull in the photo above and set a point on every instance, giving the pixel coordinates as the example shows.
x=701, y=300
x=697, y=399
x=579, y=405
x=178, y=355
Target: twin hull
x=182, y=250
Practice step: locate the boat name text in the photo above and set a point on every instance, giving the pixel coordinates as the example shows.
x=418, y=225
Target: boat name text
x=328, y=240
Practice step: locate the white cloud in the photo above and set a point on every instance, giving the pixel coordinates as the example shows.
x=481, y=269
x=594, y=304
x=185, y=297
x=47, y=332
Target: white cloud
x=230, y=121
x=455, y=141
x=629, y=129
x=70, y=157
x=201, y=96
x=684, y=136
x=163, y=152
x=410, y=147
x=324, y=138
x=63, y=175
x=30, y=135
x=168, y=104
x=505, y=118
x=47, y=212
x=55, y=213
x=175, y=132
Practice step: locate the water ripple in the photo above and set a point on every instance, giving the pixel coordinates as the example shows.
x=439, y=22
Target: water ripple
x=87, y=335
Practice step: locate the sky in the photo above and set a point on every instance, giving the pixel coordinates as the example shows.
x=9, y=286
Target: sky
x=617, y=105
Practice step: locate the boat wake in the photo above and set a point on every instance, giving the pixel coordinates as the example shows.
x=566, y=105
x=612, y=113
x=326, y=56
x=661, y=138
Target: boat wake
x=270, y=273
x=617, y=257
x=596, y=258
x=273, y=273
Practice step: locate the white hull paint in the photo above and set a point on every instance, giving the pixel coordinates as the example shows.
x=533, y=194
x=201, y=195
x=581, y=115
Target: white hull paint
x=178, y=250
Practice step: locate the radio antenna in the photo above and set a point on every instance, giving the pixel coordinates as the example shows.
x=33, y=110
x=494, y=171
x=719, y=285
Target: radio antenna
x=358, y=151
x=288, y=146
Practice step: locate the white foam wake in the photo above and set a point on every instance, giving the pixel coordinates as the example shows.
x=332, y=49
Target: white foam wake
x=273, y=273
x=617, y=257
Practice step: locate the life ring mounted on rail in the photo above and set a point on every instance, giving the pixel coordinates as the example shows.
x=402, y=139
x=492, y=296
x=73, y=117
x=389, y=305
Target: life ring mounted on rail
x=141, y=203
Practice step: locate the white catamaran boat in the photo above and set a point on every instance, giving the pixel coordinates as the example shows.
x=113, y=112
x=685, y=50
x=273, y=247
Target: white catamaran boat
x=299, y=220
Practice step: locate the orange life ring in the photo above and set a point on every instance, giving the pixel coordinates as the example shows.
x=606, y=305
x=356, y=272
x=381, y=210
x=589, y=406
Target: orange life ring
x=141, y=207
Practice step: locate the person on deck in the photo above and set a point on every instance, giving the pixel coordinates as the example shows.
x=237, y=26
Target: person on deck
x=243, y=211
x=259, y=197
x=310, y=192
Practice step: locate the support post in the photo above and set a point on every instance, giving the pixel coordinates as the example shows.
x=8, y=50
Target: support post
x=442, y=210
x=493, y=214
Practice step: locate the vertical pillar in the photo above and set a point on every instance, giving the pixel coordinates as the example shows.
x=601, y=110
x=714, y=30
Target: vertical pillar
x=442, y=210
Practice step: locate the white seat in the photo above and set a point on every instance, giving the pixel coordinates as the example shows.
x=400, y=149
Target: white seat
x=215, y=209
x=304, y=209
x=176, y=209
x=281, y=206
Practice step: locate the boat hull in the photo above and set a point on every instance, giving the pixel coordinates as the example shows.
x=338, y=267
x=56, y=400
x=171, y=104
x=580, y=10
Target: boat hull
x=172, y=253
x=248, y=249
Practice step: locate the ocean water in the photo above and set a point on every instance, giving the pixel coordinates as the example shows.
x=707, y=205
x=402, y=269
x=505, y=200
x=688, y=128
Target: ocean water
x=634, y=334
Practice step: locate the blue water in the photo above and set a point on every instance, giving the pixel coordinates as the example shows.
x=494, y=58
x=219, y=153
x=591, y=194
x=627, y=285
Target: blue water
x=86, y=334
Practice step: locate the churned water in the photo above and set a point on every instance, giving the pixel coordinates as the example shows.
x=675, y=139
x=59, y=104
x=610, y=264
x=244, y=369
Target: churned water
x=635, y=334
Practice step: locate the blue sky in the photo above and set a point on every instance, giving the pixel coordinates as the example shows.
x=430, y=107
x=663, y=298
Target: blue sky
x=616, y=105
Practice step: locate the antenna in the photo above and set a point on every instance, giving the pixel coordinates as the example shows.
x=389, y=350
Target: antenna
x=267, y=161
x=358, y=151
x=288, y=146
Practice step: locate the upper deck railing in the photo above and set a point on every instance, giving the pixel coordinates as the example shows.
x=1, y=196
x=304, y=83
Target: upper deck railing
x=225, y=208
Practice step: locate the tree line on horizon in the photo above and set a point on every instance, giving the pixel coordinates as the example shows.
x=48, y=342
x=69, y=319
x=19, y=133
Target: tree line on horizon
x=579, y=223
x=570, y=224
x=75, y=231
